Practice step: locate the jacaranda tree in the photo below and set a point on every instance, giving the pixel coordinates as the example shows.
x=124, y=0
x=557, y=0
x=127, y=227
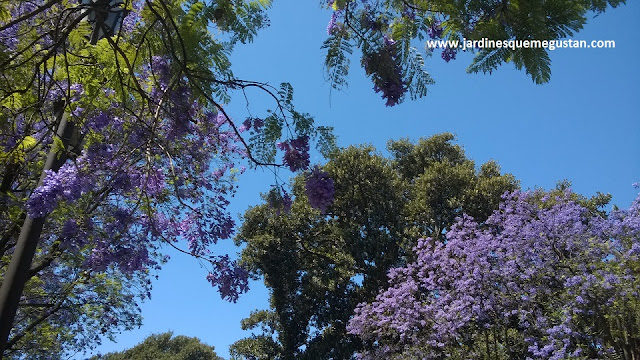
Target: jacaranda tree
x=544, y=277
x=114, y=142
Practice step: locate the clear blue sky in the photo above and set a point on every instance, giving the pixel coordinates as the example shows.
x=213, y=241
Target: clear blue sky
x=583, y=126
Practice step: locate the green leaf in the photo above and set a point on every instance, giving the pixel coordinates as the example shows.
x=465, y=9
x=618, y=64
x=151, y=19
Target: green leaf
x=337, y=62
x=488, y=60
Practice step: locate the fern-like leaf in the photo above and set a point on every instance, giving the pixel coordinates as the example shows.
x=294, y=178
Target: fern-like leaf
x=487, y=60
x=417, y=78
x=337, y=60
x=536, y=63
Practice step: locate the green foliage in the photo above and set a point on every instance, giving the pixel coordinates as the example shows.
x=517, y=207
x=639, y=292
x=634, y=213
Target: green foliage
x=539, y=20
x=259, y=347
x=417, y=78
x=339, y=48
x=285, y=118
x=301, y=123
x=318, y=267
x=445, y=184
x=165, y=347
x=412, y=160
x=488, y=60
x=241, y=18
x=413, y=21
x=18, y=153
x=326, y=140
x=595, y=204
x=90, y=304
x=263, y=143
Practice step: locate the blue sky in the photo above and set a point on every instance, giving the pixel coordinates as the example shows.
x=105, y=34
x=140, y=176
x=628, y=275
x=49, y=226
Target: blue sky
x=583, y=126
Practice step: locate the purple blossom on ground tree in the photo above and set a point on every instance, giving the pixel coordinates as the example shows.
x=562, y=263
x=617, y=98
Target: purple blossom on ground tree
x=542, y=278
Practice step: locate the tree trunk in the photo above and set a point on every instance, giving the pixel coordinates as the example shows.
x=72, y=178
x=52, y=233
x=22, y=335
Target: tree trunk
x=18, y=272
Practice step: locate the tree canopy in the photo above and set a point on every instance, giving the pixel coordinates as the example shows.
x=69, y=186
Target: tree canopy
x=165, y=346
x=319, y=263
x=544, y=277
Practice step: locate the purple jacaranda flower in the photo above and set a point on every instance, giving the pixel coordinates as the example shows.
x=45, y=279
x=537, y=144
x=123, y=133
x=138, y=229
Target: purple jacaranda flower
x=319, y=188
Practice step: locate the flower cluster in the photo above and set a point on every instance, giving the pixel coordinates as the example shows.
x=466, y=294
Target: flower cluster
x=154, y=162
x=319, y=189
x=10, y=37
x=385, y=70
x=545, y=279
x=409, y=12
x=296, y=153
x=11, y=133
x=435, y=30
x=333, y=25
x=251, y=123
x=68, y=183
x=132, y=18
x=230, y=277
x=449, y=54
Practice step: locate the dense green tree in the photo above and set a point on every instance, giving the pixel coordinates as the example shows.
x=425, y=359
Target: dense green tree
x=319, y=265
x=165, y=347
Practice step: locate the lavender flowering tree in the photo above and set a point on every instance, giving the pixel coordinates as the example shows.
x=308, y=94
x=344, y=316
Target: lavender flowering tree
x=141, y=151
x=544, y=277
